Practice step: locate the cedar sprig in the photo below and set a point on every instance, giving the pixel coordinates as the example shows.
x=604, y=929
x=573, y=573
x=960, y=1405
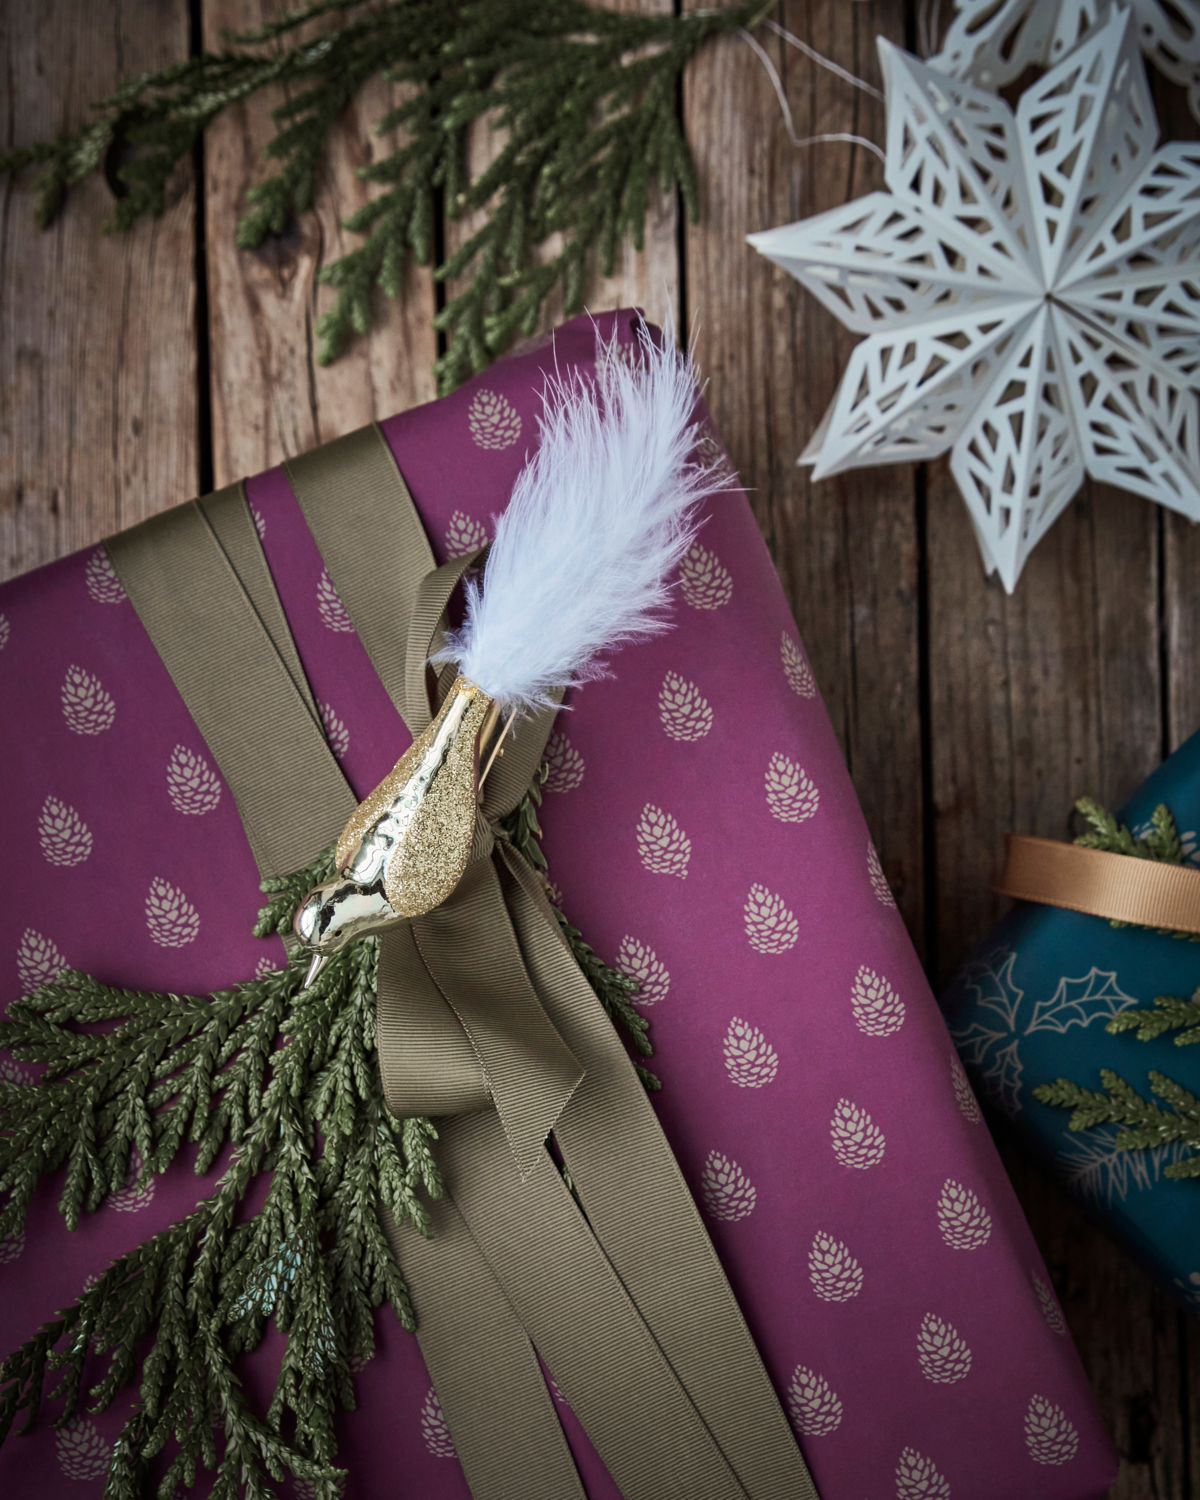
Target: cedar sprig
x=1170, y=1013
x=309, y=1114
x=1161, y=842
x=1119, y=1103
x=586, y=100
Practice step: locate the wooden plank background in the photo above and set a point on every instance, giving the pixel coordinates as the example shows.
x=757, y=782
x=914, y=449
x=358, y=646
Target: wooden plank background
x=138, y=370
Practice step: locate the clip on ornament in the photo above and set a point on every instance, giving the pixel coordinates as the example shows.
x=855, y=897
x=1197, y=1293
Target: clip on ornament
x=611, y=496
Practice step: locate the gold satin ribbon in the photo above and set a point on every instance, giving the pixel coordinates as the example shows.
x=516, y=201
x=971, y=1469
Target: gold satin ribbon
x=480, y=1003
x=1122, y=887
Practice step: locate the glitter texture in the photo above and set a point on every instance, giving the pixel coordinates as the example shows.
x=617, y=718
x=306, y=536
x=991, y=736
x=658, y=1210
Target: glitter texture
x=430, y=797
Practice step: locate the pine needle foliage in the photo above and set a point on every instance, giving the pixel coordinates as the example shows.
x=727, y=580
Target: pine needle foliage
x=584, y=100
x=178, y=1070
x=1160, y=843
x=1119, y=1103
x=284, y=1081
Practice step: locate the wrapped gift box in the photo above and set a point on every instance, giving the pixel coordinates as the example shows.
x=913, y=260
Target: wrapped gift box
x=1031, y=1005
x=703, y=832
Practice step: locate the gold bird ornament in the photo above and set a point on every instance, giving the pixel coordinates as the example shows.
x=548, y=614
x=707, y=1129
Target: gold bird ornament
x=599, y=519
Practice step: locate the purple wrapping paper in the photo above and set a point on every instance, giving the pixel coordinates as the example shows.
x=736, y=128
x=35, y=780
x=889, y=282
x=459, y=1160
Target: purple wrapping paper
x=702, y=829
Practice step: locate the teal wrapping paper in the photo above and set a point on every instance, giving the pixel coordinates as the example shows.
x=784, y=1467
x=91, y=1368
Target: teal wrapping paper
x=1031, y=1004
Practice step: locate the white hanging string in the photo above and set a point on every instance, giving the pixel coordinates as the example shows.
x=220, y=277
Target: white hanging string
x=824, y=62
x=789, y=124
x=929, y=26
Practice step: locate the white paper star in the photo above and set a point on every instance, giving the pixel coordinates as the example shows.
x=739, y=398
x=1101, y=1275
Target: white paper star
x=1031, y=291
x=992, y=45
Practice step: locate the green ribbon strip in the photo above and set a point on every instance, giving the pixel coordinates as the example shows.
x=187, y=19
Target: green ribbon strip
x=481, y=1004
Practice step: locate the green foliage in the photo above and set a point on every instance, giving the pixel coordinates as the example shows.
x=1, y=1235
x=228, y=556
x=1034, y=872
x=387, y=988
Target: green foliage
x=1119, y=1103
x=286, y=1081
x=1170, y=1013
x=310, y=1115
x=585, y=99
x=1161, y=843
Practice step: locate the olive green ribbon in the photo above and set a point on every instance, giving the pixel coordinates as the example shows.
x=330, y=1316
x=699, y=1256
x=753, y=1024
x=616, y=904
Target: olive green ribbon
x=480, y=1004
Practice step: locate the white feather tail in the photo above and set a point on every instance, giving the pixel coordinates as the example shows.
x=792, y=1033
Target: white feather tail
x=599, y=519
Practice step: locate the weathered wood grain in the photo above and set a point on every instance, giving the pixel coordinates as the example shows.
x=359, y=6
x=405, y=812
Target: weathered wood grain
x=97, y=332
x=270, y=397
x=1039, y=698
x=846, y=548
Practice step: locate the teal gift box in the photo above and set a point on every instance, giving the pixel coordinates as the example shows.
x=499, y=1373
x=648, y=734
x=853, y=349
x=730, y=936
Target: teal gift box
x=1032, y=1005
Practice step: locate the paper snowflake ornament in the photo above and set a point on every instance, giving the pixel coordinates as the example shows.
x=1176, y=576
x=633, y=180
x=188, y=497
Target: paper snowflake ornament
x=1030, y=292
x=992, y=45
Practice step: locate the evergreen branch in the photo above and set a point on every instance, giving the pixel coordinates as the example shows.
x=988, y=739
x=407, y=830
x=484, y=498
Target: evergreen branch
x=584, y=98
x=1170, y=1014
x=1161, y=843
x=310, y=1116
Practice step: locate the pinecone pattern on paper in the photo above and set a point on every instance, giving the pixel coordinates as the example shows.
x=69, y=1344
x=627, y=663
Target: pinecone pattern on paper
x=878, y=1009
x=792, y=796
x=770, y=925
x=1048, y=1303
x=727, y=1192
x=1049, y=1435
x=663, y=846
x=82, y=1451
x=964, y=1222
x=38, y=959
x=11, y=1071
x=264, y=967
x=330, y=607
x=65, y=838
x=942, y=1351
x=857, y=1140
x=964, y=1094
x=565, y=763
x=493, y=420
x=260, y=521
x=796, y=669
x=812, y=1405
x=835, y=1274
x=638, y=961
x=5, y=630
x=335, y=730
x=750, y=1060
x=130, y=1196
x=171, y=918
x=102, y=581
x=86, y=706
x=464, y=534
x=433, y=1427
x=192, y=785
x=12, y=1247
x=918, y=1478
x=685, y=713
x=705, y=584
x=879, y=884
